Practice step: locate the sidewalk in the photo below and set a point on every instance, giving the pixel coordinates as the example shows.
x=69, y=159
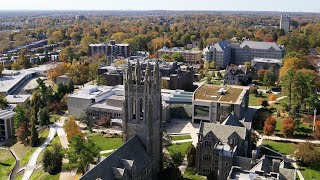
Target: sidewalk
x=61, y=133
x=33, y=160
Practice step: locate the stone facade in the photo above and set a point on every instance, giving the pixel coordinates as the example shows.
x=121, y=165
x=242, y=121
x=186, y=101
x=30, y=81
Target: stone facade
x=191, y=56
x=220, y=53
x=273, y=65
x=219, y=145
x=285, y=23
x=236, y=75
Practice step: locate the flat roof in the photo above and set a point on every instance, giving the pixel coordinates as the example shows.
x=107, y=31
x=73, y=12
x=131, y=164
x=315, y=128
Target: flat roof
x=6, y=114
x=17, y=98
x=218, y=93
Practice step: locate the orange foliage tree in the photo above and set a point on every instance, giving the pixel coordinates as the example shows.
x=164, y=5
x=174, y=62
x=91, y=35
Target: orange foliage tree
x=317, y=130
x=272, y=97
x=288, y=127
x=72, y=129
x=269, y=126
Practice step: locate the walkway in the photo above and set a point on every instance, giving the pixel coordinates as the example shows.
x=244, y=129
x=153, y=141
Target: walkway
x=107, y=151
x=61, y=133
x=183, y=165
x=33, y=160
x=276, y=138
x=182, y=141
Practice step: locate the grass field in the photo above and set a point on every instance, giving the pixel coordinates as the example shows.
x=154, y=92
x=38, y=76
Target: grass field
x=282, y=147
x=254, y=99
x=178, y=152
x=105, y=143
x=25, y=152
x=180, y=137
x=192, y=174
x=7, y=163
x=40, y=174
x=310, y=173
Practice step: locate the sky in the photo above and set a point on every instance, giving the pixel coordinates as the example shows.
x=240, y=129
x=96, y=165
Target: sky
x=234, y=5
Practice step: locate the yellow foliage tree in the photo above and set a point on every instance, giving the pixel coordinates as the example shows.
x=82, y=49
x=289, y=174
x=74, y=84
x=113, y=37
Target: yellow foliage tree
x=72, y=129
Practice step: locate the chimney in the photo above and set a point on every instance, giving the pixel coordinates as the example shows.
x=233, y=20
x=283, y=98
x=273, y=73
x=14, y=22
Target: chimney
x=275, y=165
x=254, y=158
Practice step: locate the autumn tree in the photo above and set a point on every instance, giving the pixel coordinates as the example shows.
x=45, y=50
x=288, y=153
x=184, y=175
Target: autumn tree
x=72, y=129
x=288, y=127
x=317, y=129
x=269, y=126
x=308, y=154
x=23, y=132
x=272, y=97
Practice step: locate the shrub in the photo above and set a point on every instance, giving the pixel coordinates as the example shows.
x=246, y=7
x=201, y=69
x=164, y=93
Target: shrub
x=268, y=129
x=288, y=127
x=191, y=156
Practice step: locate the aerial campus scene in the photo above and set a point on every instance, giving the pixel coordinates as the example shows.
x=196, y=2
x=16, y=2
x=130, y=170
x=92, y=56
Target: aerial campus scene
x=160, y=90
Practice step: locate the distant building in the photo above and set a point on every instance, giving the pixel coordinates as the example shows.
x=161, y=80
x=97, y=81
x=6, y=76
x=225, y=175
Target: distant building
x=237, y=75
x=273, y=65
x=63, y=79
x=18, y=99
x=220, y=146
x=6, y=124
x=112, y=50
x=285, y=23
x=220, y=53
x=214, y=103
x=248, y=50
x=192, y=56
x=180, y=79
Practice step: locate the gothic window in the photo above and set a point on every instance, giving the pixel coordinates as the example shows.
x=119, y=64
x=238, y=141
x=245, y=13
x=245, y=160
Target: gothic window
x=141, y=108
x=207, y=143
x=206, y=157
x=133, y=106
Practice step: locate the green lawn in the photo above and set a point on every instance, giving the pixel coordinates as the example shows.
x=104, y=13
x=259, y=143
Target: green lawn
x=192, y=174
x=25, y=152
x=40, y=174
x=309, y=173
x=54, y=118
x=55, y=140
x=105, y=143
x=282, y=147
x=7, y=163
x=254, y=99
x=180, y=137
x=178, y=152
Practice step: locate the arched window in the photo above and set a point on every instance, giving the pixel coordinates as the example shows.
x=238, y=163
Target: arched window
x=133, y=107
x=141, y=108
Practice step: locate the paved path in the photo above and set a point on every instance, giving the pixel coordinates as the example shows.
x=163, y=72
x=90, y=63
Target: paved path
x=181, y=126
x=183, y=165
x=276, y=138
x=33, y=160
x=107, y=151
x=61, y=133
x=294, y=164
x=182, y=141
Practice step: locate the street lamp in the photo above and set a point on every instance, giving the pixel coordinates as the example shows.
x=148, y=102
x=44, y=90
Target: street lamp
x=314, y=118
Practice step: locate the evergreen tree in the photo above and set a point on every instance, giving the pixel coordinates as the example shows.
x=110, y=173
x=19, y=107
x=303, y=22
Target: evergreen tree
x=43, y=117
x=34, y=141
x=52, y=159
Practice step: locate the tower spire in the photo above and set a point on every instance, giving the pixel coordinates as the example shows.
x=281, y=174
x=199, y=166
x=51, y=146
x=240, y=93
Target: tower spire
x=129, y=72
x=138, y=73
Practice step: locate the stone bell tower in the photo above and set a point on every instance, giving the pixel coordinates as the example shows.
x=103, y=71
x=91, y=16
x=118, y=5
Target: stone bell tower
x=142, y=111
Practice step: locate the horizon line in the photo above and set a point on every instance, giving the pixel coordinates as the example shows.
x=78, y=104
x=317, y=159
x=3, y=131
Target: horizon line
x=141, y=10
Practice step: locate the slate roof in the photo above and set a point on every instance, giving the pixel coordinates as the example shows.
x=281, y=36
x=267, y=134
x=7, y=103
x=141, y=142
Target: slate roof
x=236, y=70
x=131, y=153
x=232, y=120
x=260, y=45
x=221, y=46
x=222, y=132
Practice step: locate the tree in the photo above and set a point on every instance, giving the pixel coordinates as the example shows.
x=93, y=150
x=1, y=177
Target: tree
x=317, y=129
x=177, y=57
x=261, y=75
x=191, y=156
x=167, y=57
x=264, y=103
x=23, y=59
x=72, y=129
x=23, y=132
x=43, y=116
x=1, y=69
x=3, y=102
x=272, y=97
x=268, y=78
x=253, y=90
x=201, y=44
x=56, y=36
x=288, y=127
x=34, y=140
x=101, y=80
x=171, y=172
x=81, y=153
x=287, y=85
x=268, y=129
x=52, y=159
x=20, y=116
x=271, y=121
x=308, y=154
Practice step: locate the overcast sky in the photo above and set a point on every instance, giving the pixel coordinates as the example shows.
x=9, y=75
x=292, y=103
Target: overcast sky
x=251, y=5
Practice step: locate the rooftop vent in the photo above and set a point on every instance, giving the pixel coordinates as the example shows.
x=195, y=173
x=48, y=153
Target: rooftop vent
x=222, y=91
